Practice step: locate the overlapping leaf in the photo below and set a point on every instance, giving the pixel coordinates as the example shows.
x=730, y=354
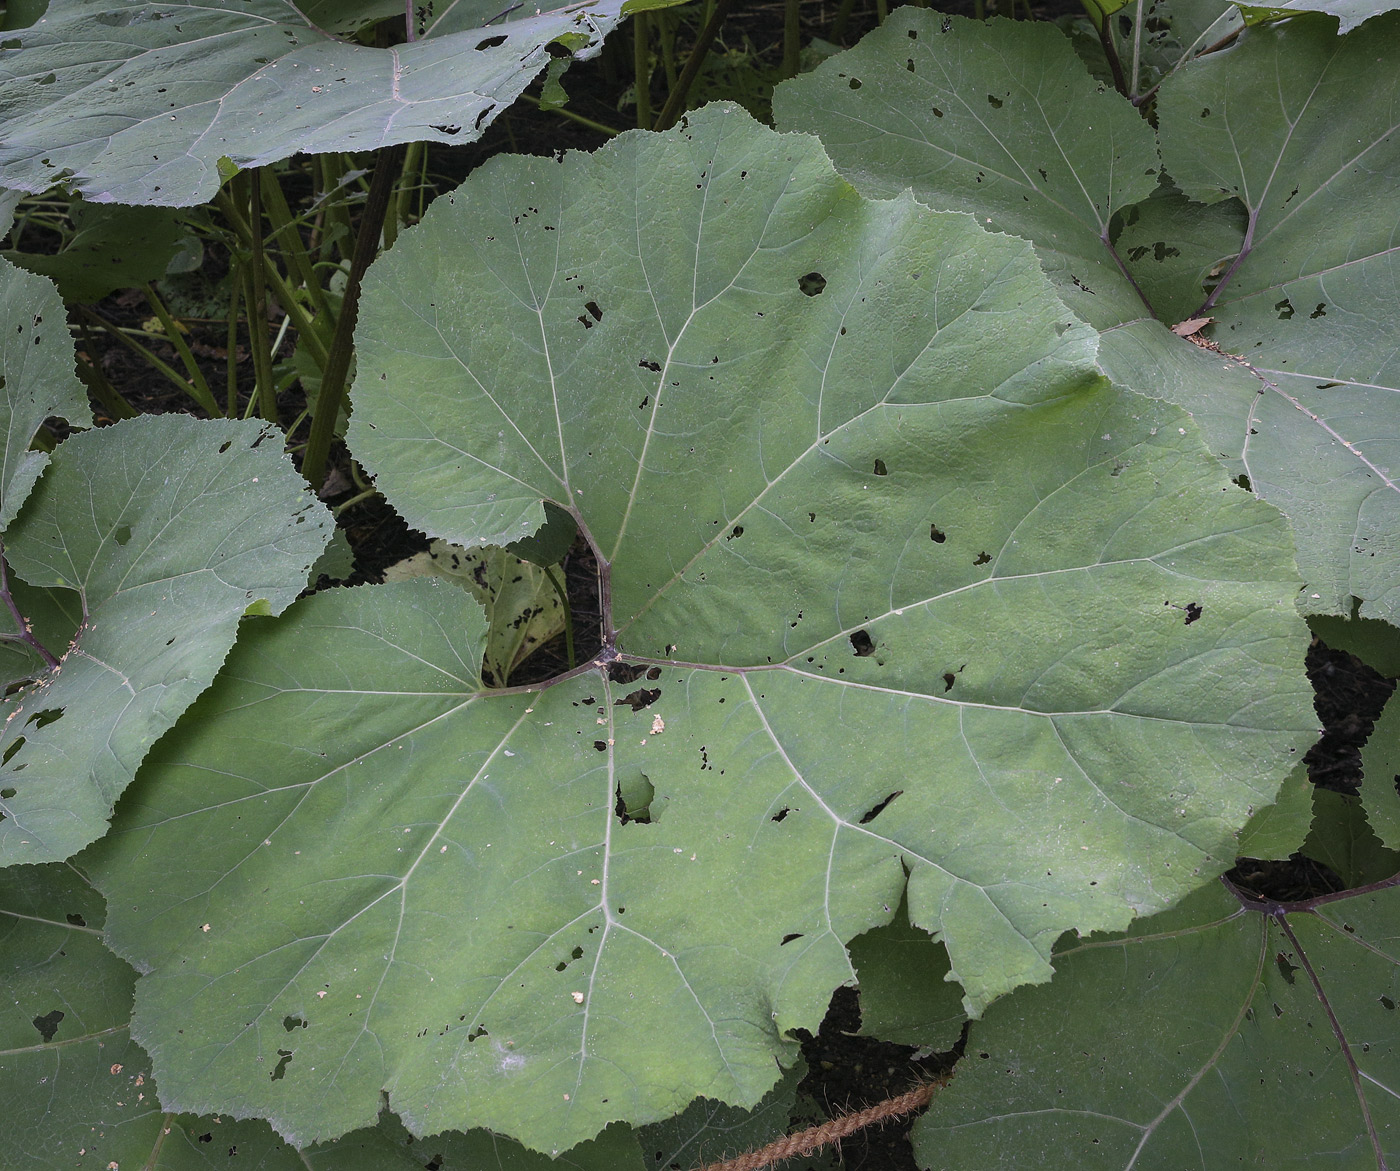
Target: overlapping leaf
x=1350, y=14
x=36, y=379
x=1295, y=123
x=111, y=248
x=129, y=101
x=79, y=1092
x=905, y=995
x=161, y=532
x=1380, y=760
x=998, y=119
x=1200, y=1037
x=894, y=584
x=523, y=605
x=1298, y=125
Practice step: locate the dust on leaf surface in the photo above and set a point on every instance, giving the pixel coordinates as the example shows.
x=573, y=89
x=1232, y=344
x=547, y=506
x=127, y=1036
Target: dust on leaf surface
x=161, y=532
x=80, y=1092
x=542, y=910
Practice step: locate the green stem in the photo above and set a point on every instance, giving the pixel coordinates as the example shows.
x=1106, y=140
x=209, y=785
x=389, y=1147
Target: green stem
x=792, y=32
x=412, y=164
x=564, y=112
x=667, y=37
x=288, y=239
x=1100, y=20
x=107, y=395
x=199, y=387
x=675, y=102
x=357, y=499
x=1139, y=17
x=174, y=376
x=568, y=614
x=641, y=69
x=337, y=368
x=231, y=355
x=843, y=16
x=264, y=393
x=285, y=296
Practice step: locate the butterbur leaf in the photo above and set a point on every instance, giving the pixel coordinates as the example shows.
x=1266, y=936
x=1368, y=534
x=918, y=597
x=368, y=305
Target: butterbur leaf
x=1380, y=762
x=1375, y=643
x=36, y=379
x=139, y=102
x=898, y=592
x=1302, y=286
x=167, y=529
x=1237, y=1007
x=1349, y=13
x=553, y=540
x=1305, y=303
x=52, y=617
x=1342, y=839
x=78, y=1091
x=111, y=248
x=1278, y=830
x=1178, y=250
x=991, y=119
x=905, y=995
x=523, y=607
x=708, y=1132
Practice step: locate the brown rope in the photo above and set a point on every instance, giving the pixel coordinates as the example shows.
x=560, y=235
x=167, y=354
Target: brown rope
x=806, y=1142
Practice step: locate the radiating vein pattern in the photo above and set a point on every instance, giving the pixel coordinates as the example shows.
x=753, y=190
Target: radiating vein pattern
x=1234, y=1007
x=903, y=601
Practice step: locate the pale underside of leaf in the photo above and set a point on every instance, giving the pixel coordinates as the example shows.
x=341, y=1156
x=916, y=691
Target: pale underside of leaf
x=128, y=105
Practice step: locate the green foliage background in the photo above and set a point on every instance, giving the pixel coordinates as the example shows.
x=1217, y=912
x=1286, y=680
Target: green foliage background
x=954, y=604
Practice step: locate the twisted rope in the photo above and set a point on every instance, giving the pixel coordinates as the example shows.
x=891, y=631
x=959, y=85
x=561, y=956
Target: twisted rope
x=806, y=1142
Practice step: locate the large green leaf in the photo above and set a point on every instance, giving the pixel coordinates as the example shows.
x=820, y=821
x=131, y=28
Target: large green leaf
x=1213, y=1036
x=1297, y=124
x=167, y=529
x=36, y=379
x=1292, y=122
x=1380, y=760
x=997, y=119
x=905, y=995
x=894, y=584
x=130, y=101
x=79, y=1092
